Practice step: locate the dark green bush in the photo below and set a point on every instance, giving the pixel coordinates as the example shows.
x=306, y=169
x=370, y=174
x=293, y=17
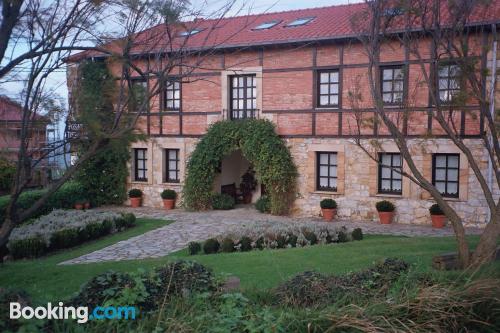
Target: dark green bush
x=7, y=173
x=106, y=227
x=6, y=297
x=168, y=194
x=385, y=206
x=292, y=240
x=357, y=234
x=135, y=193
x=328, y=204
x=222, y=201
x=103, y=287
x=211, y=246
x=245, y=244
x=182, y=276
x=67, y=195
x=281, y=241
x=194, y=248
x=227, y=245
x=126, y=221
x=64, y=238
x=263, y=204
x=342, y=236
x=311, y=237
x=303, y=289
x=27, y=248
x=435, y=210
x=259, y=243
x=91, y=231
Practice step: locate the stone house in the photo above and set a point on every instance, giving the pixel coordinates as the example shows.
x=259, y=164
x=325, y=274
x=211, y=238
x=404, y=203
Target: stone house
x=298, y=70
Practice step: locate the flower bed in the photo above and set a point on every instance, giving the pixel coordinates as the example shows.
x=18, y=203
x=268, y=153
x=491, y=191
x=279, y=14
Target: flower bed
x=64, y=228
x=276, y=235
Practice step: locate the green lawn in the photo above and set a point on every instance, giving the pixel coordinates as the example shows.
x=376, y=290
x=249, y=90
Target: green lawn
x=46, y=281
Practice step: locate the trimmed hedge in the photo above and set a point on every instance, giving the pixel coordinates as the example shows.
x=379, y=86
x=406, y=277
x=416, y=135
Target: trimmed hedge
x=222, y=201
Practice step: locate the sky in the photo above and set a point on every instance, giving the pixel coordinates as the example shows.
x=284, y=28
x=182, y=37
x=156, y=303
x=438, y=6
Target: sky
x=57, y=81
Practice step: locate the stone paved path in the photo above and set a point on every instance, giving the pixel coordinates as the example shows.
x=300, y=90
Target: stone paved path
x=197, y=226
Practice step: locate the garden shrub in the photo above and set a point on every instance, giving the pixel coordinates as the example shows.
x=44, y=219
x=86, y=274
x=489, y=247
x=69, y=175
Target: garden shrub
x=328, y=204
x=64, y=238
x=135, y=193
x=259, y=144
x=342, y=236
x=194, y=248
x=27, y=248
x=168, y=194
x=435, y=210
x=245, y=244
x=227, y=245
x=357, y=234
x=7, y=173
x=311, y=237
x=385, y=206
x=211, y=245
x=292, y=240
x=6, y=297
x=263, y=204
x=281, y=242
x=303, y=289
x=222, y=201
x=179, y=277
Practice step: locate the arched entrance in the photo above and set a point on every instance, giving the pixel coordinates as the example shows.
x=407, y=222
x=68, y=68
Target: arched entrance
x=258, y=143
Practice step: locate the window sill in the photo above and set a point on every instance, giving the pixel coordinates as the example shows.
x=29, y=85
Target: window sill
x=139, y=182
x=326, y=192
x=388, y=195
x=327, y=108
x=172, y=183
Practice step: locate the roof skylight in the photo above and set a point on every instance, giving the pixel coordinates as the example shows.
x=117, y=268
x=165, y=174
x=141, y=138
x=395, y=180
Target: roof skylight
x=300, y=21
x=266, y=25
x=189, y=32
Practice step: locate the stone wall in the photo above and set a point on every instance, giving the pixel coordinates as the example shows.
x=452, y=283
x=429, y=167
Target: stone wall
x=357, y=178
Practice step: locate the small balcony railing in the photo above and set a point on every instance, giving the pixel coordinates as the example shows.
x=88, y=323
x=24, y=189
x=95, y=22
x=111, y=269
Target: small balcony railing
x=243, y=114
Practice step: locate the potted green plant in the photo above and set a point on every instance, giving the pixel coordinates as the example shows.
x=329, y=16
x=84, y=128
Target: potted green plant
x=385, y=211
x=328, y=209
x=168, y=197
x=135, y=196
x=437, y=216
x=248, y=185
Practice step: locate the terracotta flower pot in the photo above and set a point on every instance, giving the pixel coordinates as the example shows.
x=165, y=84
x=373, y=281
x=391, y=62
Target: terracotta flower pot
x=169, y=203
x=385, y=217
x=135, y=202
x=328, y=213
x=438, y=221
x=86, y=205
x=79, y=206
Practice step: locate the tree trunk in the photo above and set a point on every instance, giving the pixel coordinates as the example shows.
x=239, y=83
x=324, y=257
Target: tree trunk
x=487, y=243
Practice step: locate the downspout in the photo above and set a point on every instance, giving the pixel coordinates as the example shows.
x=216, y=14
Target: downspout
x=493, y=71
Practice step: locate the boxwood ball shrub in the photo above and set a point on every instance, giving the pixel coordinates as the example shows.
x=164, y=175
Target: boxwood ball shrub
x=168, y=194
x=194, y=248
x=211, y=245
x=385, y=206
x=263, y=204
x=328, y=204
x=135, y=193
x=245, y=244
x=259, y=144
x=222, y=201
x=227, y=245
x=357, y=234
x=435, y=210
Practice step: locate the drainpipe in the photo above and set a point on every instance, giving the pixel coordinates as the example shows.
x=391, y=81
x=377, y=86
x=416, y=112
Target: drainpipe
x=492, y=106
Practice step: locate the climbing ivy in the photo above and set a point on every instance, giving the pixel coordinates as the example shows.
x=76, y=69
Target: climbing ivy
x=259, y=144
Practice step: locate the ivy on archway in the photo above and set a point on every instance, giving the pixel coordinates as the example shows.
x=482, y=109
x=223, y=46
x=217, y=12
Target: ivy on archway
x=259, y=144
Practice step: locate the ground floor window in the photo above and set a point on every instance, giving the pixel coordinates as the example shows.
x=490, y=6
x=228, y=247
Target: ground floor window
x=389, y=173
x=445, y=168
x=140, y=166
x=171, y=166
x=326, y=171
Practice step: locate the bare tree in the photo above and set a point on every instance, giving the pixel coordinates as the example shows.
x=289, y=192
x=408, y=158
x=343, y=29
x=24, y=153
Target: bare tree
x=409, y=22
x=134, y=51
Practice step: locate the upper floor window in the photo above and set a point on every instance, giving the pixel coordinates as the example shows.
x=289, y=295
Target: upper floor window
x=243, y=96
x=389, y=173
x=448, y=82
x=138, y=95
x=326, y=171
x=392, y=82
x=140, y=164
x=445, y=168
x=171, y=166
x=328, y=88
x=172, y=97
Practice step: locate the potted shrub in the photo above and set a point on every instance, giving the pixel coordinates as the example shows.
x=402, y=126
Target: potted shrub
x=385, y=211
x=437, y=216
x=135, y=196
x=168, y=197
x=248, y=185
x=79, y=204
x=328, y=209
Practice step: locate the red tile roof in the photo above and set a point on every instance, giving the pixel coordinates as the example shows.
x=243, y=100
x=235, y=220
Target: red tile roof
x=333, y=22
